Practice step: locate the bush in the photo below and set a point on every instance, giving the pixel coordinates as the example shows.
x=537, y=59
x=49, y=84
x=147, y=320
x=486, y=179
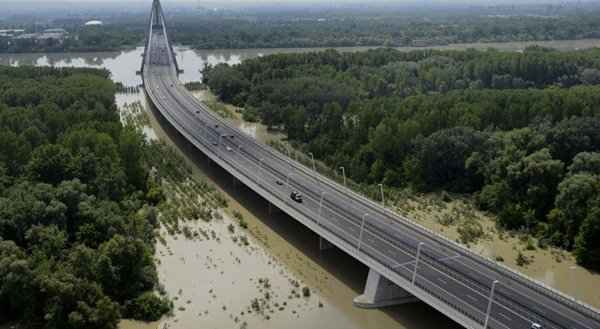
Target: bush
x=155, y=195
x=147, y=307
x=522, y=260
x=306, y=292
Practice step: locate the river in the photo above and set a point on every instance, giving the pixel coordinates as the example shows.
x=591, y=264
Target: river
x=214, y=281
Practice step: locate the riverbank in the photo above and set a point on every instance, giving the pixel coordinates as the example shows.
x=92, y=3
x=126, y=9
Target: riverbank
x=458, y=219
x=563, y=45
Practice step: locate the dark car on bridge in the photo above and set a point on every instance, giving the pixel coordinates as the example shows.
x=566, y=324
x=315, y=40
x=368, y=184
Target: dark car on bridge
x=296, y=196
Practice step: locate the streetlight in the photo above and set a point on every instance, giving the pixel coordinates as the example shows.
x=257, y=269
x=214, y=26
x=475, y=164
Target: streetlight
x=414, y=276
x=321, y=205
x=259, y=168
x=312, y=156
x=362, y=226
x=382, y=195
x=490, y=301
x=287, y=180
x=343, y=174
x=289, y=159
x=315, y=169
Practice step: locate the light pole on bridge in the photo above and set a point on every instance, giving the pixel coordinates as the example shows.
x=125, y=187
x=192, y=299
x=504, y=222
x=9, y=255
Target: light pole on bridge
x=414, y=276
x=312, y=156
x=490, y=302
x=343, y=174
x=360, y=234
x=321, y=205
x=259, y=169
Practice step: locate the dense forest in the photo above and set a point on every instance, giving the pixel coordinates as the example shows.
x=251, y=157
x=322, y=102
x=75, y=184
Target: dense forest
x=337, y=27
x=389, y=30
x=518, y=131
x=77, y=214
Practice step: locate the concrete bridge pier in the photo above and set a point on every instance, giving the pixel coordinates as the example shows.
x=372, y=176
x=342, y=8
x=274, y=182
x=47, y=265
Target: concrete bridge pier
x=381, y=292
x=324, y=244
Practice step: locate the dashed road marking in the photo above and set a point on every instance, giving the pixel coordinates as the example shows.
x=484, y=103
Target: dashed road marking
x=472, y=298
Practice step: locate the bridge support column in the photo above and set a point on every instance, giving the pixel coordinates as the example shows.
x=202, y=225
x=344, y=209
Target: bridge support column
x=324, y=244
x=381, y=292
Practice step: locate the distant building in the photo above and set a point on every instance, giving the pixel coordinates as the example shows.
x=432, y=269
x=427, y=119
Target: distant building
x=49, y=35
x=93, y=23
x=55, y=31
x=11, y=32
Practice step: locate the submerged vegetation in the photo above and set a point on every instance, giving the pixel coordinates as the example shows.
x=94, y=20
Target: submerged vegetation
x=77, y=206
x=516, y=131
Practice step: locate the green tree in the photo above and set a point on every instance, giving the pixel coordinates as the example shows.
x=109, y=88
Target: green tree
x=587, y=244
x=51, y=164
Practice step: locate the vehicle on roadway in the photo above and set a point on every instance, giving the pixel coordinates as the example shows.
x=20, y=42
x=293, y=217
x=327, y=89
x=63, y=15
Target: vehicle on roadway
x=278, y=182
x=536, y=326
x=296, y=196
x=228, y=148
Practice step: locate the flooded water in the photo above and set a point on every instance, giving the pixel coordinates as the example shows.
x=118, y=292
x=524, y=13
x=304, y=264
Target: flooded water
x=218, y=282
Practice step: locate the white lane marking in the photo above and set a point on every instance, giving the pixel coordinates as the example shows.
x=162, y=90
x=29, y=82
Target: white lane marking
x=472, y=298
x=448, y=258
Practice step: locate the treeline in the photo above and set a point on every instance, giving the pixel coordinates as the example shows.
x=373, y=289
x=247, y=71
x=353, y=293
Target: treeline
x=80, y=39
x=333, y=28
x=518, y=131
x=381, y=29
x=77, y=214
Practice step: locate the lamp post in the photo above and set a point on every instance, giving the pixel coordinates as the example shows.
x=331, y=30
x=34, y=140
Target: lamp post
x=490, y=301
x=259, y=168
x=414, y=276
x=321, y=205
x=312, y=156
x=362, y=226
x=382, y=195
x=343, y=174
x=287, y=180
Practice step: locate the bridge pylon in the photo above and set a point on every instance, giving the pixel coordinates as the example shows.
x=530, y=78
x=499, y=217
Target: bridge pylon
x=157, y=24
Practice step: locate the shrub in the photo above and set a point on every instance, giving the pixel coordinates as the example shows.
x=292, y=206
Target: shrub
x=147, y=307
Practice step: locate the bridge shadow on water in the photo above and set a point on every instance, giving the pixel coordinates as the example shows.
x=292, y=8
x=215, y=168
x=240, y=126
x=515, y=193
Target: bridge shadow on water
x=342, y=266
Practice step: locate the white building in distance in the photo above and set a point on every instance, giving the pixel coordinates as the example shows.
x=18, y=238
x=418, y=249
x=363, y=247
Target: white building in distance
x=93, y=23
